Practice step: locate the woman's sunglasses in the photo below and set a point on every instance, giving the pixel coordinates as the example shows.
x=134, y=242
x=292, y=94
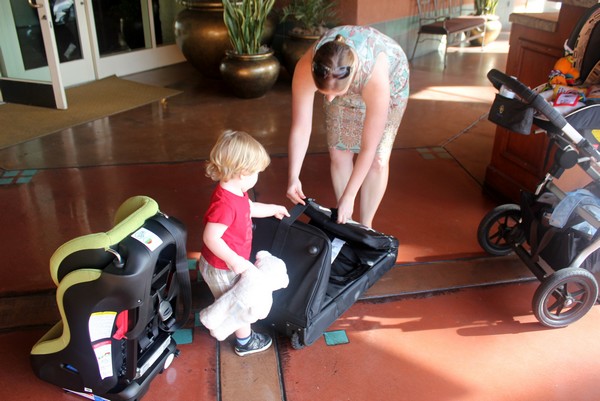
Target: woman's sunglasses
x=322, y=71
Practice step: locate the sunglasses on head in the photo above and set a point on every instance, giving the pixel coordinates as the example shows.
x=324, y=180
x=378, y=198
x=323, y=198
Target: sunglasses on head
x=323, y=71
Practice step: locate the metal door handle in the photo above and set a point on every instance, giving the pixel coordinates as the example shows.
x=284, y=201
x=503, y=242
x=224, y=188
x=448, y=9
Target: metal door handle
x=34, y=5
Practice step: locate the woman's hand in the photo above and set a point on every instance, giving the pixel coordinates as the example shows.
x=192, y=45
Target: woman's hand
x=294, y=192
x=345, y=208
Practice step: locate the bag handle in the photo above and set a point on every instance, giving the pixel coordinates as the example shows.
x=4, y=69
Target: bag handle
x=284, y=227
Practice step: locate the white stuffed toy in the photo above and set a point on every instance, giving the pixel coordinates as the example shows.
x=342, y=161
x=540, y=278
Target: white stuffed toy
x=249, y=300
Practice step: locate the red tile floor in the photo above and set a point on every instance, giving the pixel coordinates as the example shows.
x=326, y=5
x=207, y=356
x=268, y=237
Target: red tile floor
x=447, y=323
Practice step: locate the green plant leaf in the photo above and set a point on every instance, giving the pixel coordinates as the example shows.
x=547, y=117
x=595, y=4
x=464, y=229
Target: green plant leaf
x=245, y=22
x=311, y=15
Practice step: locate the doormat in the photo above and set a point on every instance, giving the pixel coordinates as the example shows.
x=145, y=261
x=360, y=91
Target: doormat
x=86, y=103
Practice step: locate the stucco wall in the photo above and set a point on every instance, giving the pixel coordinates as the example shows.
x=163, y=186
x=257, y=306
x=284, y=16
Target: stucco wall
x=374, y=11
x=368, y=12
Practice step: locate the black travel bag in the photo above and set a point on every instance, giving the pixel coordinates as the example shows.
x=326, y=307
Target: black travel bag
x=320, y=290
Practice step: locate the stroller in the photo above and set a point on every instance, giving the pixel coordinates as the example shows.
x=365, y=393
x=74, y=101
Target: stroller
x=556, y=234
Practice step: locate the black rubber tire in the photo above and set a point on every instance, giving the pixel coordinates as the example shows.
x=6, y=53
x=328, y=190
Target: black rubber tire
x=565, y=297
x=500, y=230
x=296, y=342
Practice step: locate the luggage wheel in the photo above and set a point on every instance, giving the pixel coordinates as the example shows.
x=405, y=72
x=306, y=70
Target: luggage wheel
x=295, y=340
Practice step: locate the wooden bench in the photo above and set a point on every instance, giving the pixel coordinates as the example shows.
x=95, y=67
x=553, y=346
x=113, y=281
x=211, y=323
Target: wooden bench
x=444, y=19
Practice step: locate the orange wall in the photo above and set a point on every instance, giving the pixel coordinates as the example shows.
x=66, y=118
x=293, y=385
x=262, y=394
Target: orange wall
x=365, y=12
x=347, y=11
x=374, y=11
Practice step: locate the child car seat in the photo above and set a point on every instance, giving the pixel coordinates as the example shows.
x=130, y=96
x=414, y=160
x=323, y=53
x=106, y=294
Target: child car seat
x=585, y=41
x=117, y=293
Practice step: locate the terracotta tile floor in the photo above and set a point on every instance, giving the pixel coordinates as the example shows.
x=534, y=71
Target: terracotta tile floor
x=447, y=323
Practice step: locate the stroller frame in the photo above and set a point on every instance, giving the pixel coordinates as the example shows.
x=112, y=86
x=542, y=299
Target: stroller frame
x=568, y=290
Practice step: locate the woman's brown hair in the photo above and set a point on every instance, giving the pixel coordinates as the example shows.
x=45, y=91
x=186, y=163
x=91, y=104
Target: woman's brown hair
x=330, y=57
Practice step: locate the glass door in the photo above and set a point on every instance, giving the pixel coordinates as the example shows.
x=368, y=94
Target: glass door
x=24, y=54
x=22, y=81
x=134, y=35
x=93, y=38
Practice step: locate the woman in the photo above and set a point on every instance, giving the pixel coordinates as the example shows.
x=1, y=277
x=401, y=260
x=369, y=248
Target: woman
x=363, y=75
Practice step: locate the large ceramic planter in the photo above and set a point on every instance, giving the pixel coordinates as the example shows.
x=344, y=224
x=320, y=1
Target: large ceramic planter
x=250, y=75
x=202, y=36
x=294, y=46
x=493, y=27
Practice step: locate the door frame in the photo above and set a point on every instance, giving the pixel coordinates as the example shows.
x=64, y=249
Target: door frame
x=138, y=60
x=72, y=72
x=38, y=92
x=93, y=66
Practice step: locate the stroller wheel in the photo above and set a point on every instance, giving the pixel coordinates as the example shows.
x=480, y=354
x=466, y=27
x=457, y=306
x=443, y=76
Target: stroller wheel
x=564, y=297
x=500, y=230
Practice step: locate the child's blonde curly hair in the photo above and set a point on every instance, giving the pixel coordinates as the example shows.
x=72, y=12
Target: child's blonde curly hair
x=236, y=153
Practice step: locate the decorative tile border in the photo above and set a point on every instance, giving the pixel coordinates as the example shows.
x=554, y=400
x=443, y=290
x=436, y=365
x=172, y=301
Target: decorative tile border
x=434, y=153
x=336, y=337
x=10, y=177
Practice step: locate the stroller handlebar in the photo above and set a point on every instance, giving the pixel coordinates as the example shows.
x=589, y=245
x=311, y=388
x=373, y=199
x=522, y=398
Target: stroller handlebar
x=498, y=78
x=530, y=97
x=527, y=96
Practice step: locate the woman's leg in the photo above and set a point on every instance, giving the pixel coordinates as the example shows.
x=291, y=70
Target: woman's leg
x=373, y=188
x=342, y=162
x=375, y=183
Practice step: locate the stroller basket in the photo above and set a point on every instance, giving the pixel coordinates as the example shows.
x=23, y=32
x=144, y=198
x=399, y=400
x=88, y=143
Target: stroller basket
x=511, y=114
x=558, y=247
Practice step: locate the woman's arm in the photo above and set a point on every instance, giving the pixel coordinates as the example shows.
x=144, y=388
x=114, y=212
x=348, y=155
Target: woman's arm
x=376, y=95
x=303, y=95
x=213, y=239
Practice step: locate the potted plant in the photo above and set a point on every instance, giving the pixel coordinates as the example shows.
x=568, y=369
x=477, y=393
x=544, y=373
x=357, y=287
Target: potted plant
x=251, y=68
x=493, y=26
x=310, y=16
x=310, y=19
x=202, y=37
x=485, y=7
